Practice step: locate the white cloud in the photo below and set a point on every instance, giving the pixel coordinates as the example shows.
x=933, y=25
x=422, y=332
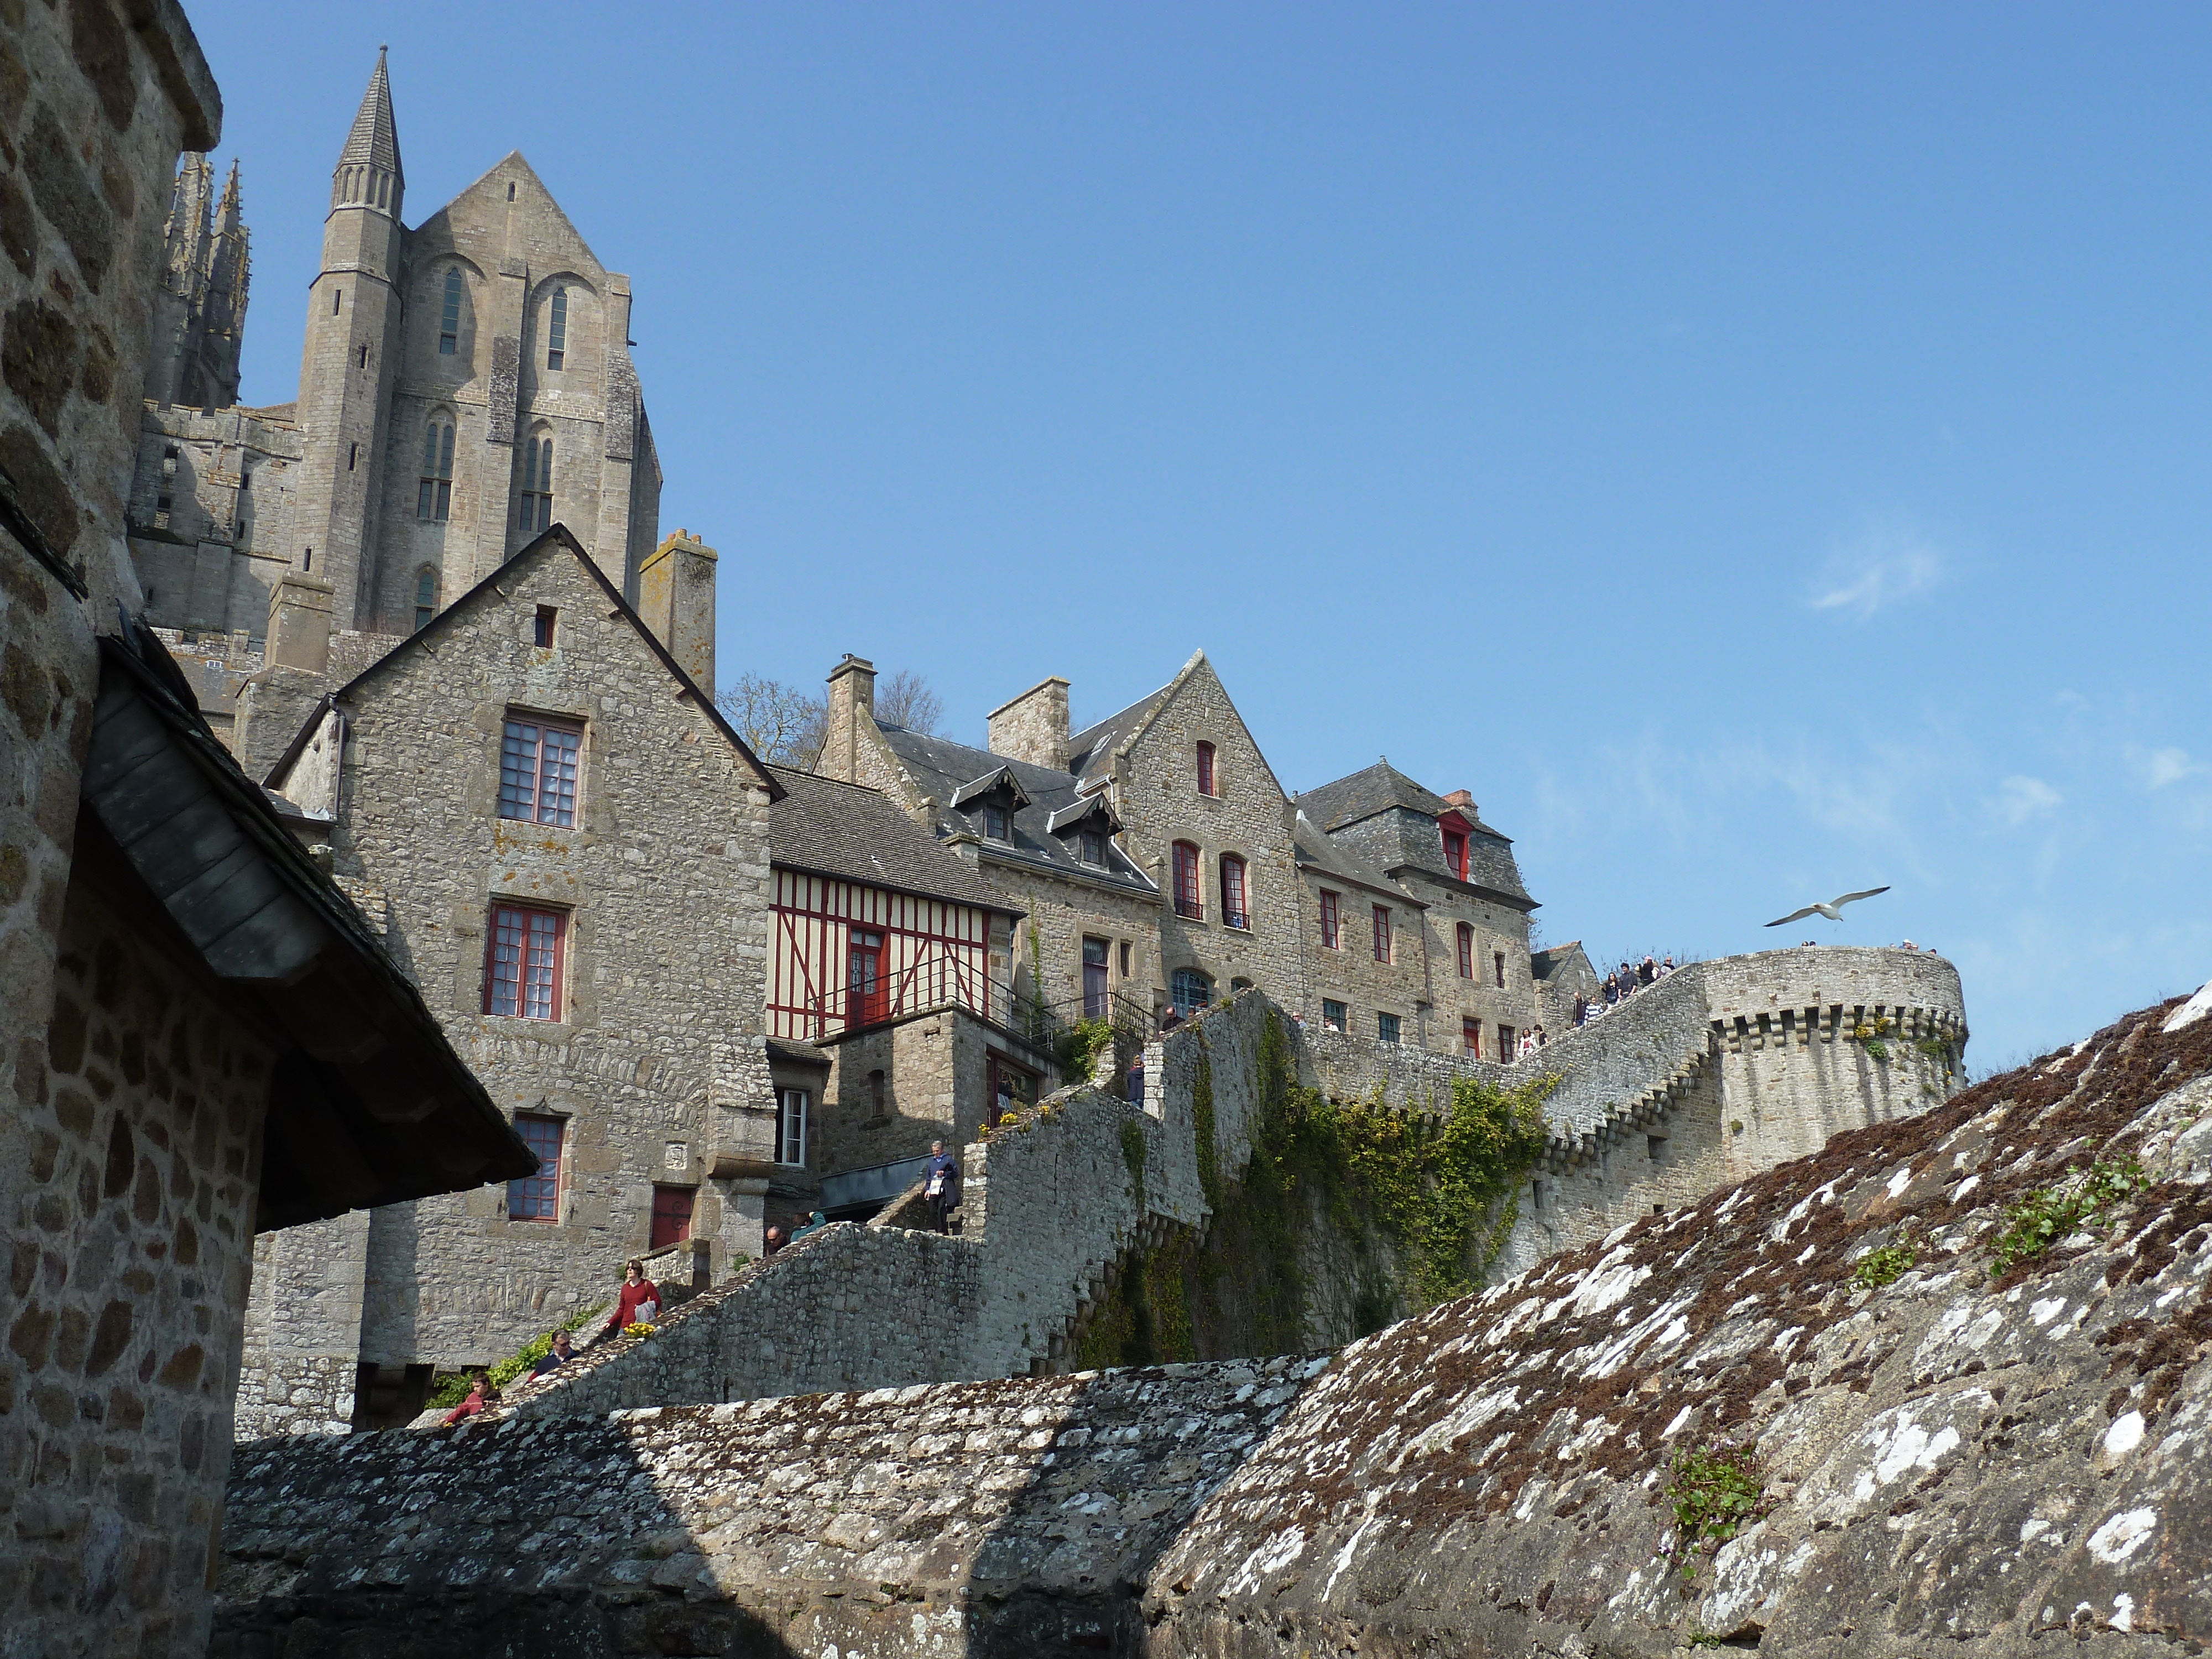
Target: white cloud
x=2020, y=798
x=1879, y=569
x=2165, y=766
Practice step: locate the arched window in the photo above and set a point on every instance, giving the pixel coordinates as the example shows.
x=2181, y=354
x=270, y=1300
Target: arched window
x=449, y=319
x=1466, y=952
x=557, y=333
x=426, y=595
x=1205, y=779
x=434, y=499
x=534, y=509
x=1235, y=910
x=1189, y=990
x=1187, y=901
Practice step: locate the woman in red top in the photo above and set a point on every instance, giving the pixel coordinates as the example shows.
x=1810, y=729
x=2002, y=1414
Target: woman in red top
x=638, y=1292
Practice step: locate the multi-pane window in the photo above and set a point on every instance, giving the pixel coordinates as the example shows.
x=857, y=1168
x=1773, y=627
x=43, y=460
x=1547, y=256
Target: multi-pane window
x=1333, y=1015
x=995, y=823
x=791, y=1126
x=1456, y=853
x=1235, y=911
x=537, y=764
x=1382, y=933
x=1094, y=845
x=1189, y=990
x=533, y=504
x=557, y=335
x=537, y=1198
x=1386, y=1028
x=1328, y=934
x=426, y=596
x=1498, y=967
x=1187, y=901
x=1095, y=993
x=434, y=499
x=1205, y=778
x=1470, y=1034
x=1505, y=1042
x=671, y=1215
x=449, y=318
x=522, y=980
x=1466, y=952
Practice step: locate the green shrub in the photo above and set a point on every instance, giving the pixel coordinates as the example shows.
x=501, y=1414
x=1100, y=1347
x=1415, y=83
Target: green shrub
x=1080, y=1045
x=1715, y=1491
x=2083, y=1202
x=1886, y=1265
x=455, y=1389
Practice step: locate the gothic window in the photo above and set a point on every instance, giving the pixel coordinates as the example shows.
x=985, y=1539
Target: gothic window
x=426, y=596
x=537, y=1198
x=449, y=319
x=435, y=499
x=1235, y=912
x=534, y=505
x=1329, y=938
x=538, y=762
x=557, y=334
x=1187, y=901
x=522, y=976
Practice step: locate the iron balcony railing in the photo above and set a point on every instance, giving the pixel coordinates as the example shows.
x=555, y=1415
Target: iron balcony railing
x=1190, y=909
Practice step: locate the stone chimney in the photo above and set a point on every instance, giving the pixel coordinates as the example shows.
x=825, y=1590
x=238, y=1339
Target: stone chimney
x=676, y=597
x=1033, y=727
x=1462, y=799
x=852, y=696
x=299, y=622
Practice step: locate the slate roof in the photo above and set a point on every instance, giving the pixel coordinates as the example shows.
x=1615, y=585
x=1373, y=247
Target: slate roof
x=847, y=830
x=1317, y=852
x=375, y=139
x=1350, y=801
x=1545, y=962
x=941, y=767
x=1090, y=750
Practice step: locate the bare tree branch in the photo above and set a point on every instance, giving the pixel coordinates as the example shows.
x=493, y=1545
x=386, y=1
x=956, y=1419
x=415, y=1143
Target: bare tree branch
x=781, y=722
x=905, y=700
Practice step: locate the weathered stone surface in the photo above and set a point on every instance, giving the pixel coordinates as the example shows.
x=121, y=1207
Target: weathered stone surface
x=1010, y=1517
x=1958, y=1459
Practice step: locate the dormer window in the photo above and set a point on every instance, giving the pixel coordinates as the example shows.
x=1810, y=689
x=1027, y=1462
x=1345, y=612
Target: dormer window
x=1093, y=844
x=1455, y=853
x=995, y=824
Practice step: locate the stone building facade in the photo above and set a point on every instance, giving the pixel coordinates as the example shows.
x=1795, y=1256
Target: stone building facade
x=567, y=846
x=462, y=385
x=197, y=1040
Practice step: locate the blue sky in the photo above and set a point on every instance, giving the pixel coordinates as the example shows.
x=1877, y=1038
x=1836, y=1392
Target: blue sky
x=1760, y=452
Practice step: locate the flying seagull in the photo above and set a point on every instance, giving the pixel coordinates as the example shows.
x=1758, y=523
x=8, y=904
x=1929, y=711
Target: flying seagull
x=1833, y=909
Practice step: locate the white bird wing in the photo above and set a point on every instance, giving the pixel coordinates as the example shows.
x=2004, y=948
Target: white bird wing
x=1848, y=897
x=1793, y=916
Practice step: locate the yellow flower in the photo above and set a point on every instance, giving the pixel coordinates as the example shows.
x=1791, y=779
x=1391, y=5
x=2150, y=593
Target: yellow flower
x=639, y=1329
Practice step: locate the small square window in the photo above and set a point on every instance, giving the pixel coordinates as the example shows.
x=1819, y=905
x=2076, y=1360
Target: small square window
x=1333, y=1015
x=995, y=823
x=1386, y=1028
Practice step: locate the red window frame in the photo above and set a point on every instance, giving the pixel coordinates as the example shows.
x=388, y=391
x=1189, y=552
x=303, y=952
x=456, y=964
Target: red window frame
x=1506, y=1036
x=671, y=1216
x=1466, y=952
x=1470, y=1034
x=1382, y=933
x=525, y=950
x=537, y=1198
x=1206, y=780
x=1235, y=893
x=539, y=760
x=1455, y=853
x=1188, y=901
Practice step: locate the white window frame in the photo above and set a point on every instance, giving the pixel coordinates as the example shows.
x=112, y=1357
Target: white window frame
x=790, y=1114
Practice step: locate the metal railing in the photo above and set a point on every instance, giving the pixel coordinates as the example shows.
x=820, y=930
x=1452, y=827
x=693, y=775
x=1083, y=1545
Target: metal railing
x=1190, y=909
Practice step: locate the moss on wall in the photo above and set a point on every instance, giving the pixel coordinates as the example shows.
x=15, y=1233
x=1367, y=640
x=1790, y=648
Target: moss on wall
x=1347, y=1218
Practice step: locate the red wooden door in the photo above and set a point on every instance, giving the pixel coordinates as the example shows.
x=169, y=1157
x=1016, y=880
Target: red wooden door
x=867, y=997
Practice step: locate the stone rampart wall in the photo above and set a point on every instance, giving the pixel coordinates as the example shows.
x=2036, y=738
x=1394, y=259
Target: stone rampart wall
x=302, y=1347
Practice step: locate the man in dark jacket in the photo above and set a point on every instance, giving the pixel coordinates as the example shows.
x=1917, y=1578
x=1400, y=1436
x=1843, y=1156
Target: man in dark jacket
x=940, y=1184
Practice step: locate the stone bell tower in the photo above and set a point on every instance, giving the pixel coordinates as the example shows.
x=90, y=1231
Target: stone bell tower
x=350, y=357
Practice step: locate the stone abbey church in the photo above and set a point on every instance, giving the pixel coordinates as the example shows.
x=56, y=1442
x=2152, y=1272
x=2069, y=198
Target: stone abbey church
x=429, y=607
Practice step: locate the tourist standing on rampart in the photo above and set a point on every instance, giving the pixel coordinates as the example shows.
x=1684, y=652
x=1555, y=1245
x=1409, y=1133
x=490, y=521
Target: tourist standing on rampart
x=941, y=1185
x=638, y=1303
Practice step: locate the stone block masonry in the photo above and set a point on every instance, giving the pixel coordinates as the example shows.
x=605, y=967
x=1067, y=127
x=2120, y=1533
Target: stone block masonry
x=1012, y=1518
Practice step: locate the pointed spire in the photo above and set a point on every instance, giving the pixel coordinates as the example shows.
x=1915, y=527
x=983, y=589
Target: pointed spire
x=229, y=211
x=375, y=140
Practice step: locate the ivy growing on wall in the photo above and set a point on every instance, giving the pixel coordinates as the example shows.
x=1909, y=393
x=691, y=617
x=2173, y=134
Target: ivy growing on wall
x=1410, y=1209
